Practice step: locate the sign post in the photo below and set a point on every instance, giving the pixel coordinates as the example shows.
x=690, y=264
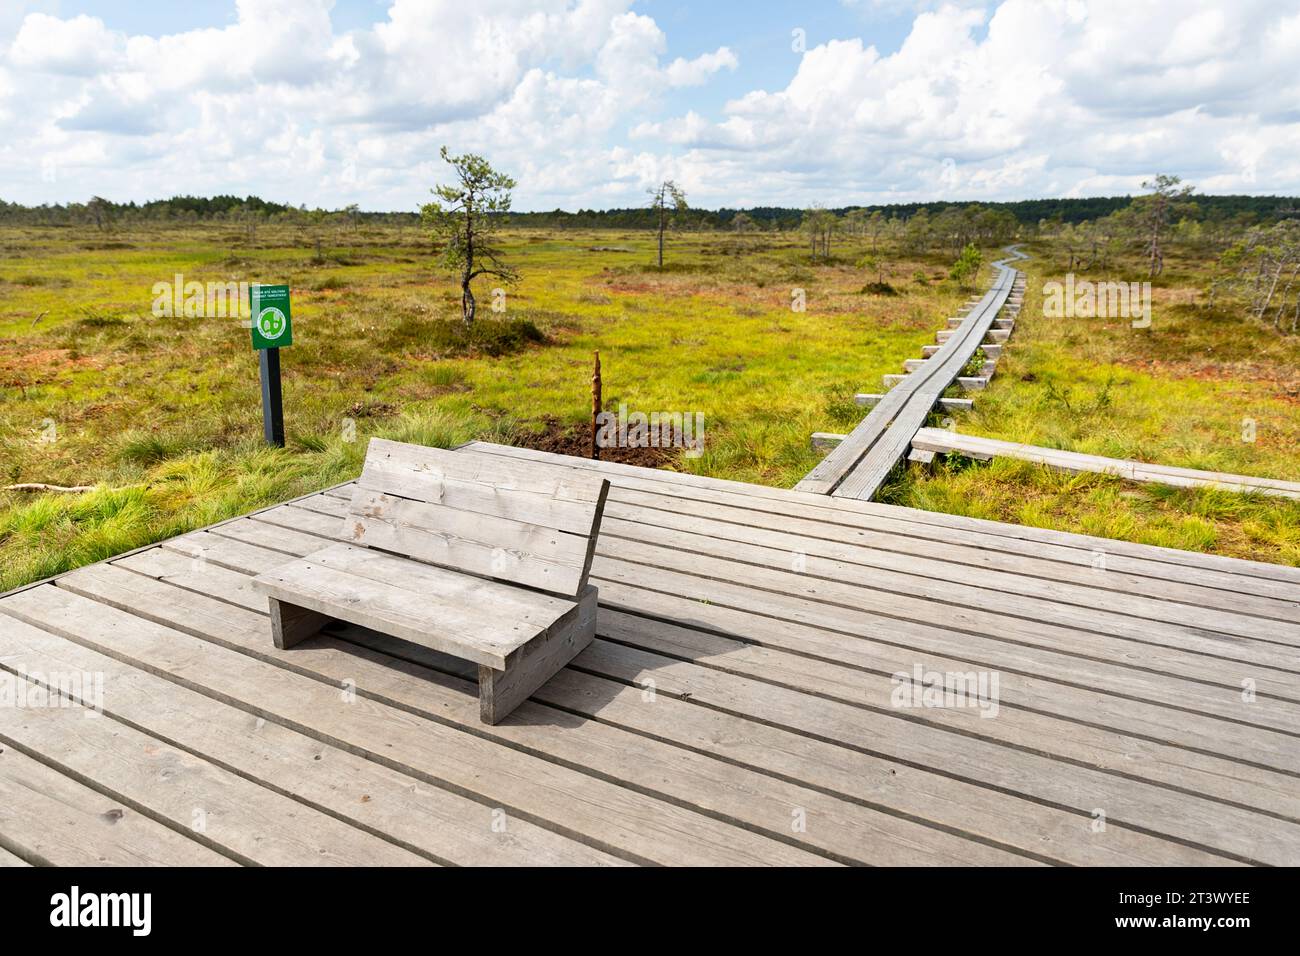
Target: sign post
x=272, y=330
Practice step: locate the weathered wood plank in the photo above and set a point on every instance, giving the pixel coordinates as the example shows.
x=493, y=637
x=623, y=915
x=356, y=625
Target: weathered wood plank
x=10, y=860
x=1248, y=836
x=1105, y=591
x=501, y=691
x=1049, y=833
x=443, y=825
x=1044, y=650
x=434, y=465
x=564, y=503
x=833, y=470
x=628, y=823
x=250, y=823
x=1233, y=575
x=452, y=626
x=473, y=543
x=948, y=442
x=62, y=822
x=1134, y=738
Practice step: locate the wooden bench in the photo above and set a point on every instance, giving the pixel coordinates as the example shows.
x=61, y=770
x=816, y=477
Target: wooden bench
x=476, y=556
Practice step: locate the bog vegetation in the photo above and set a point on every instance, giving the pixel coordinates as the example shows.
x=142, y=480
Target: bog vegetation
x=161, y=414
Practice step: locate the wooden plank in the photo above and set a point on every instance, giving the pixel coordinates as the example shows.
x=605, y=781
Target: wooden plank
x=205, y=550
x=1132, y=738
x=442, y=825
x=198, y=574
x=826, y=477
x=949, y=442
x=266, y=534
x=1246, y=835
x=501, y=691
x=10, y=860
x=504, y=600
x=1044, y=833
x=453, y=626
x=434, y=465
x=992, y=641
x=1062, y=699
x=947, y=404
x=1232, y=575
x=473, y=543
x=623, y=821
x=59, y=821
x=825, y=441
x=403, y=476
x=1103, y=592
x=245, y=821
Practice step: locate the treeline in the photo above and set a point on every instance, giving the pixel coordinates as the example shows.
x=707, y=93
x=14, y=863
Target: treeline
x=1030, y=213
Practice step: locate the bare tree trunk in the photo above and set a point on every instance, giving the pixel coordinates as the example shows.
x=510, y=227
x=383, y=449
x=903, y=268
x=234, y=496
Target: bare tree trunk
x=467, y=305
x=1272, y=287
x=662, y=222
x=595, y=407
x=1281, y=305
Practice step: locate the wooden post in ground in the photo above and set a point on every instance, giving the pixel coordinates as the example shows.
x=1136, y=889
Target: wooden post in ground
x=595, y=406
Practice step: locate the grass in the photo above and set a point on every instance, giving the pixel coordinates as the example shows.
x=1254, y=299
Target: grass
x=1198, y=389
x=163, y=414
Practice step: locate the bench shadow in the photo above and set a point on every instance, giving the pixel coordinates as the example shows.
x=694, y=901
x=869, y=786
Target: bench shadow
x=451, y=674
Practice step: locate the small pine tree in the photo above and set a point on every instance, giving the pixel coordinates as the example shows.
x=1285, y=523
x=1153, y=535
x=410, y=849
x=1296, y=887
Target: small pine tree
x=466, y=217
x=967, y=266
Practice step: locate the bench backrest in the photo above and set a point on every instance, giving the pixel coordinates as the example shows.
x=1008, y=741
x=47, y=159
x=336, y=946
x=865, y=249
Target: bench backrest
x=524, y=522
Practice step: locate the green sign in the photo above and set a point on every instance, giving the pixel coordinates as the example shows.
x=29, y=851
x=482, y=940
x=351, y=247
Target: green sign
x=272, y=324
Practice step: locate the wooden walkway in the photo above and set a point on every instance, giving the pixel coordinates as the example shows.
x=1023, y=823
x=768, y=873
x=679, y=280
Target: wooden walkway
x=859, y=465
x=737, y=707
x=943, y=441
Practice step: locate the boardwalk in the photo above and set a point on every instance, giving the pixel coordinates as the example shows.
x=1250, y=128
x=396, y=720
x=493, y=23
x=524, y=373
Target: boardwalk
x=737, y=706
x=859, y=465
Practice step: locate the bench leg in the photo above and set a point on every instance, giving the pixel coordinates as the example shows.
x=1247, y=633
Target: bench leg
x=291, y=624
x=500, y=692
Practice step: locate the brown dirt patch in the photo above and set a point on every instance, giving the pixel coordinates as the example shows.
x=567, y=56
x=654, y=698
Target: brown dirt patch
x=24, y=369
x=562, y=439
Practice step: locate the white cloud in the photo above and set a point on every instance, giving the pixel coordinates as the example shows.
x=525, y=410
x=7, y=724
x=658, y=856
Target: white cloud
x=82, y=46
x=579, y=101
x=683, y=72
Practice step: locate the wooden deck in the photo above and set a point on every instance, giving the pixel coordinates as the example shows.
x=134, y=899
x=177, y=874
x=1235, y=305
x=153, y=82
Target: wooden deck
x=736, y=708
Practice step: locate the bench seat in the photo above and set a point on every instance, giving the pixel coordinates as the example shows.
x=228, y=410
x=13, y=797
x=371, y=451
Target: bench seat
x=468, y=617
x=486, y=563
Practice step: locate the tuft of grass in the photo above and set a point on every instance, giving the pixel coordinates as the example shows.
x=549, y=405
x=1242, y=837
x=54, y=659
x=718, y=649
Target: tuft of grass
x=449, y=337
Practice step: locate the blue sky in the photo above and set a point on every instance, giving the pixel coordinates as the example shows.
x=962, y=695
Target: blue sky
x=588, y=102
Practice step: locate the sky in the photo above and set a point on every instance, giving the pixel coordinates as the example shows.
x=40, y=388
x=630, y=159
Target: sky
x=587, y=103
